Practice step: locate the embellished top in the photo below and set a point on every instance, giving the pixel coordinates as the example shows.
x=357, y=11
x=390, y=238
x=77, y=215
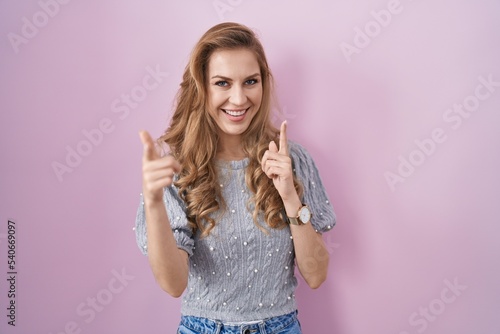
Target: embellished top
x=239, y=273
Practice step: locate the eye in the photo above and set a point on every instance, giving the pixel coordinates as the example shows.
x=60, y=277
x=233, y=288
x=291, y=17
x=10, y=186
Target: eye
x=222, y=83
x=251, y=81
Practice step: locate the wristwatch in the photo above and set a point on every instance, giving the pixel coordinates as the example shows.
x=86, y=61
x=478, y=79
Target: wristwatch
x=303, y=216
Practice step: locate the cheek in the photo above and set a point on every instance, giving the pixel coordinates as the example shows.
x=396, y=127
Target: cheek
x=257, y=96
x=254, y=94
x=216, y=99
x=212, y=106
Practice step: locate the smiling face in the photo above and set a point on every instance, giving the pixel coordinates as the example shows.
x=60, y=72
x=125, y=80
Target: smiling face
x=234, y=90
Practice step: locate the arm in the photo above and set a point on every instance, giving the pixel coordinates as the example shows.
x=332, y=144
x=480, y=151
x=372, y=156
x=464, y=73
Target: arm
x=168, y=263
x=311, y=254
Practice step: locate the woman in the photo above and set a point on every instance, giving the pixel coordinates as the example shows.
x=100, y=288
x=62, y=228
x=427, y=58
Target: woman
x=227, y=213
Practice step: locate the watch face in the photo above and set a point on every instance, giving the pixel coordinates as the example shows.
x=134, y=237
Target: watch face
x=305, y=215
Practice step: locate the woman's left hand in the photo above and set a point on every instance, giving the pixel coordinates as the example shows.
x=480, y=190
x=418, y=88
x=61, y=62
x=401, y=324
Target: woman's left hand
x=277, y=165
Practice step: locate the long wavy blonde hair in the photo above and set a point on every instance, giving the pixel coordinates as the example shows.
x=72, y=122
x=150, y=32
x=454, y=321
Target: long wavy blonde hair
x=192, y=136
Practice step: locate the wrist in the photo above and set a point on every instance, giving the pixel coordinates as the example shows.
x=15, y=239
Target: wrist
x=292, y=205
x=151, y=201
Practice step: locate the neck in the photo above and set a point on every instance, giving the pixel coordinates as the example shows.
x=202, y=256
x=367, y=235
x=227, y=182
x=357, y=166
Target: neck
x=230, y=148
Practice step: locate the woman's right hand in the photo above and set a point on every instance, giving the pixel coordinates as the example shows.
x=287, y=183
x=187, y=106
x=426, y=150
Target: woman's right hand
x=157, y=171
x=168, y=262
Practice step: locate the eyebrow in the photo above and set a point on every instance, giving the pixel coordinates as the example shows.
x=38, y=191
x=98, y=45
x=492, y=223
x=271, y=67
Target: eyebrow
x=229, y=79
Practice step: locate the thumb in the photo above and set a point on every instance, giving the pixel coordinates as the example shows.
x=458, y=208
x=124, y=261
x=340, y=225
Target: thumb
x=273, y=147
x=149, y=146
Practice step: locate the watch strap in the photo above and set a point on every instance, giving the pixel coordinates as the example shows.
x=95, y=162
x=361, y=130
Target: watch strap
x=294, y=221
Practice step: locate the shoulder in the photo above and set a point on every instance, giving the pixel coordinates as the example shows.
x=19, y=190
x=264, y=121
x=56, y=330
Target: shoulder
x=302, y=162
x=299, y=153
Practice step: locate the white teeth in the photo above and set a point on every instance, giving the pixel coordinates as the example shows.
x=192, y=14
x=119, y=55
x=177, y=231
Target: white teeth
x=235, y=113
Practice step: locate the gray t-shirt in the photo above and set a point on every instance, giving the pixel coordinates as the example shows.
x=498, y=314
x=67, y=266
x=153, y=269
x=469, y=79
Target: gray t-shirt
x=238, y=273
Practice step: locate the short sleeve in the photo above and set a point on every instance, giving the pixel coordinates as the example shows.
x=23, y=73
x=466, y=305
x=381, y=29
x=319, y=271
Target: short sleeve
x=315, y=195
x=176, y=211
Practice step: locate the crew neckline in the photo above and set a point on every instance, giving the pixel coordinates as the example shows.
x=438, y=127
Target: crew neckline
x=232, y=164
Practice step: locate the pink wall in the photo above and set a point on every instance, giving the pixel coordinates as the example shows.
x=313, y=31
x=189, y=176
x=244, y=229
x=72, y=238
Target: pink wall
x=372, y=88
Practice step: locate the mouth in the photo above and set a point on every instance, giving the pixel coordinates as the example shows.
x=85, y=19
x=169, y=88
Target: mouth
x=236, y=112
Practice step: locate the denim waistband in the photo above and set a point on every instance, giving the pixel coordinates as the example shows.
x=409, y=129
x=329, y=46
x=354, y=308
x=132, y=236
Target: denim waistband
x=210, y=326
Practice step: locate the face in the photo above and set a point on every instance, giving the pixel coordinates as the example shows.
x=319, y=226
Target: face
x=234, y=90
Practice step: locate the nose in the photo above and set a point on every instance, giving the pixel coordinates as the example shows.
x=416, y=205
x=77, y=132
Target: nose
x=238, y=96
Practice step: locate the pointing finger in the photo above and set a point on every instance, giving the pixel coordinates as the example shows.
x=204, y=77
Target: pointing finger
x=283, y=139
x=149, y=146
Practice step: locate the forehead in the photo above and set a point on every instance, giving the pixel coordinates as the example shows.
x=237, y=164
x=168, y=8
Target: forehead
x=233, y=64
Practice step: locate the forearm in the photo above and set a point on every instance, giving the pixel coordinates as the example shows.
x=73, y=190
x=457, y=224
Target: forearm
x=168, y=263
x=310, y=251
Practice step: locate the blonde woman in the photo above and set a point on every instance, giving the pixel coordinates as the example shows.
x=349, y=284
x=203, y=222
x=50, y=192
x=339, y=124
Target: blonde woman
x=227, y=214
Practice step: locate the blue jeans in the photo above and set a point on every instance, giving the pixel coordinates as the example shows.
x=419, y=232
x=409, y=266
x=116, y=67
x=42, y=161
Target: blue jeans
x=284, y=324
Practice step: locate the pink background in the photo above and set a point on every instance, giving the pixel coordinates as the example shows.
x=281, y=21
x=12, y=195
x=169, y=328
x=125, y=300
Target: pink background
x=393, y=249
